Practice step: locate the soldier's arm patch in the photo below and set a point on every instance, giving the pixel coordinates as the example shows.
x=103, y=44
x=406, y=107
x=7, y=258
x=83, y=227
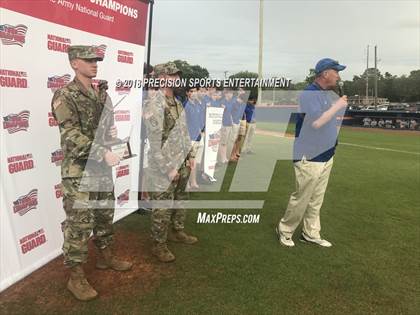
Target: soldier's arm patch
x=56, y=103
x=63, y=111
x=153, y=121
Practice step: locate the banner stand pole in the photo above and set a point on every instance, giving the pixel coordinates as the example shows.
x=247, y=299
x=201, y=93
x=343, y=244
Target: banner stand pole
x=142, y=132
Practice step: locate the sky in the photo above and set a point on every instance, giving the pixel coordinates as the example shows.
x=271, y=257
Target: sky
x=223, y=35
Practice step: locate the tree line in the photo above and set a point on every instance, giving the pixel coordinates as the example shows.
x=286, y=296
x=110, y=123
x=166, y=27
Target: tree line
x=404, y=88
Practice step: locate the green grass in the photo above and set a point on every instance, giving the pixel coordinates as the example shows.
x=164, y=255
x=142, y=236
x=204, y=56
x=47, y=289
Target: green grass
x=371, y=214
x=409, y=141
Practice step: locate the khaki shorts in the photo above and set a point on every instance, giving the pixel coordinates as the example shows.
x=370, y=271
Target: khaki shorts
x=225, y=134
x=235, y=132
x=242, y=128
x=198, y=147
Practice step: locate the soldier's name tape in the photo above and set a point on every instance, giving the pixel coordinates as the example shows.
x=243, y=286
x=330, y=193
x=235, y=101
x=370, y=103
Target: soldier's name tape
x=225, y=218
x=233, y=83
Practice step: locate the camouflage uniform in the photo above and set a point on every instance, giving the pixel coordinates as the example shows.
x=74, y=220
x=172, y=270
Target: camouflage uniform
x=170, y=148
x=83, y=116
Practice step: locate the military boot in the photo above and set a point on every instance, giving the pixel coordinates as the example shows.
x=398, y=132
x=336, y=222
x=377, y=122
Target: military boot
x=182, y=237
x=107, y=260
x=79, y=286
x=161, y=251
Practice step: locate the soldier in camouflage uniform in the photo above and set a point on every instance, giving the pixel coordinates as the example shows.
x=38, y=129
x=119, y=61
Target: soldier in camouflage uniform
x=84, y=114
x=170, y=162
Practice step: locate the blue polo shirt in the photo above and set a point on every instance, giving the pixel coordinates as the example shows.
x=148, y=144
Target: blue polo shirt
x=206, y=99
x=250, y=113
x=227, y=112
x=195, y=122
x=238, y=110
x=317, y=145
x=213, y=103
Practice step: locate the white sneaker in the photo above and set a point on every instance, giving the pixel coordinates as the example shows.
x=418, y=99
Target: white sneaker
x=306, y=239
x=285, y=241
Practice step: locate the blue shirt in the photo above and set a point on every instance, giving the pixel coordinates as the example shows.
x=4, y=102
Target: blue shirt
x=206, y=99
x=250, y=113
x=227, y=112
x=317, y=145
x=238, y=110
x=195, y=122
x=214, y=103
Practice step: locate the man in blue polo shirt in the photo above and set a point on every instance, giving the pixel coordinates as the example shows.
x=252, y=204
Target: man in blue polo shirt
x=195, y=121
x=314, y=148
x=237, y=112
x=225, y=133
x=251, y=125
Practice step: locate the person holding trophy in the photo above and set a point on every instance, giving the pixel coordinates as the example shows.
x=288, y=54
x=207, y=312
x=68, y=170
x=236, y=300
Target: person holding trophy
x=85, y=117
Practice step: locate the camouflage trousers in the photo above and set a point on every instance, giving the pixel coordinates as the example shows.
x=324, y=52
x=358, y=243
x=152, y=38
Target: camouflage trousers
x=82, y=220
x=164, y=218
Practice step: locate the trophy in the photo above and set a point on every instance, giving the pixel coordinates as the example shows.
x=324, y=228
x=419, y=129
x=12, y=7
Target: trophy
x=121, y=147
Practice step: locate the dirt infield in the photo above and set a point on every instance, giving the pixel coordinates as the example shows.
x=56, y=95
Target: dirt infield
x=415, y=133
x=274, y=133
x=386, y=131
x=44, y=291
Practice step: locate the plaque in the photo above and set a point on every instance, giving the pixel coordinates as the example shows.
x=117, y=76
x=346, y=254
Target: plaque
x=121, y=148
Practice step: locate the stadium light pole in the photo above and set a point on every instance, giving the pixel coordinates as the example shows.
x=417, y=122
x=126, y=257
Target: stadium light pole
x=260, y=55
x=375, y=98
x=367, y=76
x=274, y=93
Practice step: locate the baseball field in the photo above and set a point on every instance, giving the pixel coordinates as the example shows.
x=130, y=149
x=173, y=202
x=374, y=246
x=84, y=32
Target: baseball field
x=371, y=214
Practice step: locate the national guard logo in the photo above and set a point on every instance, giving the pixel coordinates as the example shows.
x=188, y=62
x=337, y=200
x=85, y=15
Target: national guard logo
x=13, y=79
x=32, y=241
x=100, y=50
x=58, y=43
x=57, y=82
x=20, y=163
x=122, y=170
x=122, y=115
x=123, y=198
x=57, y=157
x=26, y=202
x=125, y=57
x=13, y=35
x=16, y=122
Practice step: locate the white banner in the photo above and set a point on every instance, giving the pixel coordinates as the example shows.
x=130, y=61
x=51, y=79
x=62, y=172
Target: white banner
x=33, y=64
x=214, y=117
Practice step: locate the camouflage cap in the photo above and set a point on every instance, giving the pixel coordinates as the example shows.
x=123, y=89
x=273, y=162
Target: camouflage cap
x=84, y=52
x=166, y=68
